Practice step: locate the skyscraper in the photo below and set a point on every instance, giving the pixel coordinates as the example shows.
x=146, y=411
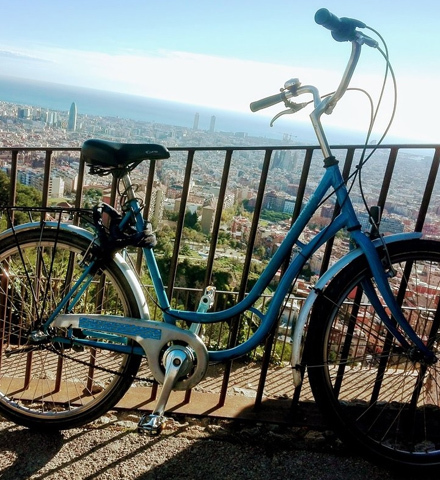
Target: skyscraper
x=71, y=125
x=196, y=121
x=212, y=124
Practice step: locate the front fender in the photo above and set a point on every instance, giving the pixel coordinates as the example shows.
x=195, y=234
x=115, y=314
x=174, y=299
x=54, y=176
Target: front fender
x=303, y=316
x=89, y=236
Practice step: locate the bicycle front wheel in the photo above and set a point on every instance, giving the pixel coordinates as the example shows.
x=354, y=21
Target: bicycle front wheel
x=375, y=396
x=54, y=386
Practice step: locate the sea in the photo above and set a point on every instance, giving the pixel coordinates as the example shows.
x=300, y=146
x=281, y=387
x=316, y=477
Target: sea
x=89, y=101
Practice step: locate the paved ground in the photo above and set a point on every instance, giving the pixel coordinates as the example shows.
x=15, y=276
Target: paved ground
x=187, y=449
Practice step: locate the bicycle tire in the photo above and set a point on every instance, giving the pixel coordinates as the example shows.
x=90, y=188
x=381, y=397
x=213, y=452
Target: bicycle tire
x=57, y=387
x=372, y=394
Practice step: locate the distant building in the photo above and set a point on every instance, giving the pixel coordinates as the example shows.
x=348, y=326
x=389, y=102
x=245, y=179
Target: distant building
x=56, y=187
x=207, y=219
x=388, y=225
x=51, y=118
x=71, y=125
x=196, y=121
x=274, y=201
x=157, y=205
x=289, y=205
x=212, y=124
x=24, y=113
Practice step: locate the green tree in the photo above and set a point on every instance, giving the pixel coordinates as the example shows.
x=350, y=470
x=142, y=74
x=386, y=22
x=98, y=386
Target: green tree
x=274, y=217
x=25, y=197
x=165, y=241
x=92, y=197
x=192, y=221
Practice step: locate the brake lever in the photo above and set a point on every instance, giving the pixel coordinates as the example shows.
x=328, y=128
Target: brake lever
x=293, y=108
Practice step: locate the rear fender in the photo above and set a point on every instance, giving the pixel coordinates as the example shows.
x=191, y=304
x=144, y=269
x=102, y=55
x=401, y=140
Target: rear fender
x=85, y=234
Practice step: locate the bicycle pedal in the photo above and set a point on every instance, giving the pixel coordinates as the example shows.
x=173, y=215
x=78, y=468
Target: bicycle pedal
x=151, y=424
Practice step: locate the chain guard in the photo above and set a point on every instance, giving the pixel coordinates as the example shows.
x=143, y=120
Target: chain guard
x=154, y=337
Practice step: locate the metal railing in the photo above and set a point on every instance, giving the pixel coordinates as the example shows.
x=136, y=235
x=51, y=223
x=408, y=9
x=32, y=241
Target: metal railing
x=400, y=179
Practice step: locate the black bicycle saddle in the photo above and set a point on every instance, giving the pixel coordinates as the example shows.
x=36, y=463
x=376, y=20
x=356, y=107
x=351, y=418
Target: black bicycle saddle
x=101, y=153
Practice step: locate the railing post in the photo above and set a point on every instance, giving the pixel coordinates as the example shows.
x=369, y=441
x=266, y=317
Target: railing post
x=218, y=217
x=46, y=179
x=329, y=246
x=387, y=177
x=147, y=205
x=235, y=323
x=428, y=191
x=13, y=185
x=80, y=184
x=180, y=224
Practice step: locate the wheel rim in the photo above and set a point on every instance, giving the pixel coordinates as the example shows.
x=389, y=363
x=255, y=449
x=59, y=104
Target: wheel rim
x=52, y=383
x=382, y=398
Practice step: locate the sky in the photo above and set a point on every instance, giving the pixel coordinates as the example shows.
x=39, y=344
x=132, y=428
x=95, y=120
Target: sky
x=227, y=53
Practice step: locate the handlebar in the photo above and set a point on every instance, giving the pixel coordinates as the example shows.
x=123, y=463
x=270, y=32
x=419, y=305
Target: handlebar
x=342, y=29
x=269, y=101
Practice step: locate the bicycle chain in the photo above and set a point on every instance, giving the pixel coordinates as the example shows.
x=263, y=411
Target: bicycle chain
x=150, y=381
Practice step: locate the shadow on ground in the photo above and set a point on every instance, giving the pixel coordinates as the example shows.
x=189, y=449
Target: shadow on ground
x=188, y=449
x=24, y=452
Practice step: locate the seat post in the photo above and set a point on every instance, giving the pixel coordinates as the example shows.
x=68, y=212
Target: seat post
x=128, y=186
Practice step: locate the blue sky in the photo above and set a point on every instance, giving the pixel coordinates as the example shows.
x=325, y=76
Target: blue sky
x=226, y=53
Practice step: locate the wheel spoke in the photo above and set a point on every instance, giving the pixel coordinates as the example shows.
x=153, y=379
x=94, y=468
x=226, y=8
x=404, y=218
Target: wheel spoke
x=52, y=386
x=380, y=395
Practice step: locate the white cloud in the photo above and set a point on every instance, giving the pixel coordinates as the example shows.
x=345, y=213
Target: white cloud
x=229, y=83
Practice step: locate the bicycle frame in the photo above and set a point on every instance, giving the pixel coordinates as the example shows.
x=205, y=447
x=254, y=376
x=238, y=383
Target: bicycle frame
x=331, y=180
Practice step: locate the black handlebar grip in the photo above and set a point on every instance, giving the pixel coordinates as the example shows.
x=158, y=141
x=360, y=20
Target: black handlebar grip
x=343, y=29
x=267, y=102
x=327, y=19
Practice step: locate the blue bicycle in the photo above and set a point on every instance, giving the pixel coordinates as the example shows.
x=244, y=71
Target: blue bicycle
x=75, y=325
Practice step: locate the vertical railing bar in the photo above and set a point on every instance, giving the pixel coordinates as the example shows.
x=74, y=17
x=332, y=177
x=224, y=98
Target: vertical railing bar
x=271, y=337
x=149, y=189
x=327, y=254
x=296, y=212
x=329, y=246
x=387, y=177
x=59, y=374
x=46, y=179
x=246, y=267
x=428, y=191
x=100, y=295
x=28, y=369
x=180, y=224
x=218, y=217
x=114, y=192
x=147, y=205
x=79, y=187
x=13, y=185
x=300, y=195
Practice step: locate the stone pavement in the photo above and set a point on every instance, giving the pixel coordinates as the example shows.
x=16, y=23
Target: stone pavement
x=192, y=449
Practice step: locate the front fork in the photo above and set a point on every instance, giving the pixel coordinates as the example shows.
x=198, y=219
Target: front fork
x=381, y=275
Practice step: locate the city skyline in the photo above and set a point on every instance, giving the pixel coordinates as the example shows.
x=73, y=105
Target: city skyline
x=36, y=126
x=235, y=53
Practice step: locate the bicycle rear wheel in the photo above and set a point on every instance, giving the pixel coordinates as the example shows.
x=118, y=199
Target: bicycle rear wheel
x=374, y=395
x=56, y=386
